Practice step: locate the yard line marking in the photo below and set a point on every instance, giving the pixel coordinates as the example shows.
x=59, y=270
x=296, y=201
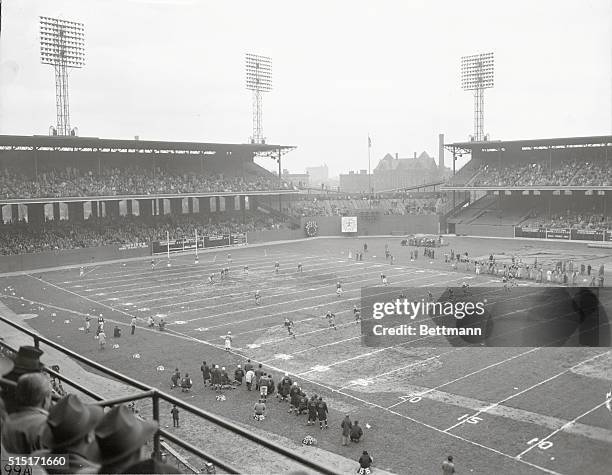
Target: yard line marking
x=278, y=340
x=246, y=293
x=172, y=333
x=180, y=281
x=491, y=406
x=81, y=296
x=179, y=273
x=562, y=428
x=176, y=334
x=373, y=352
x=175, y=269
x=297, y=300
x=416, y=363
x=487, y=367
x=470, y=374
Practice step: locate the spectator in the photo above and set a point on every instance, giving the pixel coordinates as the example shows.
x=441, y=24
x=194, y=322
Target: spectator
x=128, y=181
x=21, y=433
x=121, y=437
x=26, y=361
x=69, y=431
x=53, y=235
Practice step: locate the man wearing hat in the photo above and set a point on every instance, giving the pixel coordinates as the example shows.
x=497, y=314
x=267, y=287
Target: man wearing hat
x=21, y=431
x=27, y=360
x=6, y=366
x=69, y=431
x=121, y=437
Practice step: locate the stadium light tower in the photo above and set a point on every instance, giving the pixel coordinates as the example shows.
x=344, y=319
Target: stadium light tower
x=258, y=80
x=477, y=75
x=62, y=45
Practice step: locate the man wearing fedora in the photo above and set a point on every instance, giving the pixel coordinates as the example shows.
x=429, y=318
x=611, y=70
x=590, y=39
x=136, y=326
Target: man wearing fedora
x=21, y=431
x=69, y=431
x=121, y=438
x=27, y=360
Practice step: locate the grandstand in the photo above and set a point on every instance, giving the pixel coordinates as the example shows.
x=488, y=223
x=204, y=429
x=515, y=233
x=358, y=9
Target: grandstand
x=203, y=314
x=88, y=221
x=548, y=183
x=70, y=192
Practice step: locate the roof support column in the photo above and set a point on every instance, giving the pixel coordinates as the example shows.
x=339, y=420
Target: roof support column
x=56, y=211
x=280, y=182
x=76, y=211
x=36, y=214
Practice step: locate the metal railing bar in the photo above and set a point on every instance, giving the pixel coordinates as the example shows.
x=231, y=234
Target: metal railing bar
x=226, y=424
x=187, y=446
x=122, y=399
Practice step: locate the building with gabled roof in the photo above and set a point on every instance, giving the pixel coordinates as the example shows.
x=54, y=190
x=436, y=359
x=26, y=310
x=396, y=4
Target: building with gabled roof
x=394, y=172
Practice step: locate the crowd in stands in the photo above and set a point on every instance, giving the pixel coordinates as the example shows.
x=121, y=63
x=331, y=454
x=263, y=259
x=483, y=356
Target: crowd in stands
x=345, y=206
x=569, y=172
x=130, y=181
x=22, y=238
x=572, y=220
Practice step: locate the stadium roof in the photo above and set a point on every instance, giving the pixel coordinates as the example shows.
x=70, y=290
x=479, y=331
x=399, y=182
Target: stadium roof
x=566, y=142
x=95, y=144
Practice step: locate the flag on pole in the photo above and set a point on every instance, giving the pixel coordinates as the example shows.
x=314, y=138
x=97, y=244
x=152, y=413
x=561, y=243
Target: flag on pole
x=369, y=141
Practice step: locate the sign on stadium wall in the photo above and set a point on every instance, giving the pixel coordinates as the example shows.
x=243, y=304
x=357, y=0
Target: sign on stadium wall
x=558, y=234
x=588, y=235
x=563, y=234
x=133, y=245
x=526, y=231
x=349, y=224
x=180, y=245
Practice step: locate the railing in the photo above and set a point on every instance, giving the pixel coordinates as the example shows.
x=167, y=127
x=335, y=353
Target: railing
x=156, y=396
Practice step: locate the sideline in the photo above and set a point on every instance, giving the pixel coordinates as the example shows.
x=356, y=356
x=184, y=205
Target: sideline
x=110, y=389
x=187, y=253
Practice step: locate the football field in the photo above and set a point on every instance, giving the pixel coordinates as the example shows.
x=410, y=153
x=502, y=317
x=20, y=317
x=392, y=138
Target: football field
x=496, y=410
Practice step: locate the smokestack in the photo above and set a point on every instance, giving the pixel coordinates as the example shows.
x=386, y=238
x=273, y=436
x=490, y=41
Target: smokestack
x=414, y=154
x=441, y=151
x=396, y=156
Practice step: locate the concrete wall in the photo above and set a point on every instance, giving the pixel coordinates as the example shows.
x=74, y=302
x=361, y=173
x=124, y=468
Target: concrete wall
x=485, y=230
x=385, y=224
x=42, y=260
x=270, y=236
x=328, y=226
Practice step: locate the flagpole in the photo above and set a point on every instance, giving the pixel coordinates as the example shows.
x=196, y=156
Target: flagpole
x=369, y=172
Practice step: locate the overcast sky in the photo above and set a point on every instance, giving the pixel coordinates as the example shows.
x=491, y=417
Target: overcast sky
x=174, y=70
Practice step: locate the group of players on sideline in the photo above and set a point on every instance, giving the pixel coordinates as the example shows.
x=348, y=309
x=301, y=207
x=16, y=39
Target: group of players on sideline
x=40, y=419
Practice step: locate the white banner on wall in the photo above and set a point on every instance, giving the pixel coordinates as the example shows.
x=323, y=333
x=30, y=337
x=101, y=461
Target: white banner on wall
x=349, y=224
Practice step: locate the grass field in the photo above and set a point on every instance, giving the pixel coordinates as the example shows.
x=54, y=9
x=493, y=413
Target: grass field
x=496, y=410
